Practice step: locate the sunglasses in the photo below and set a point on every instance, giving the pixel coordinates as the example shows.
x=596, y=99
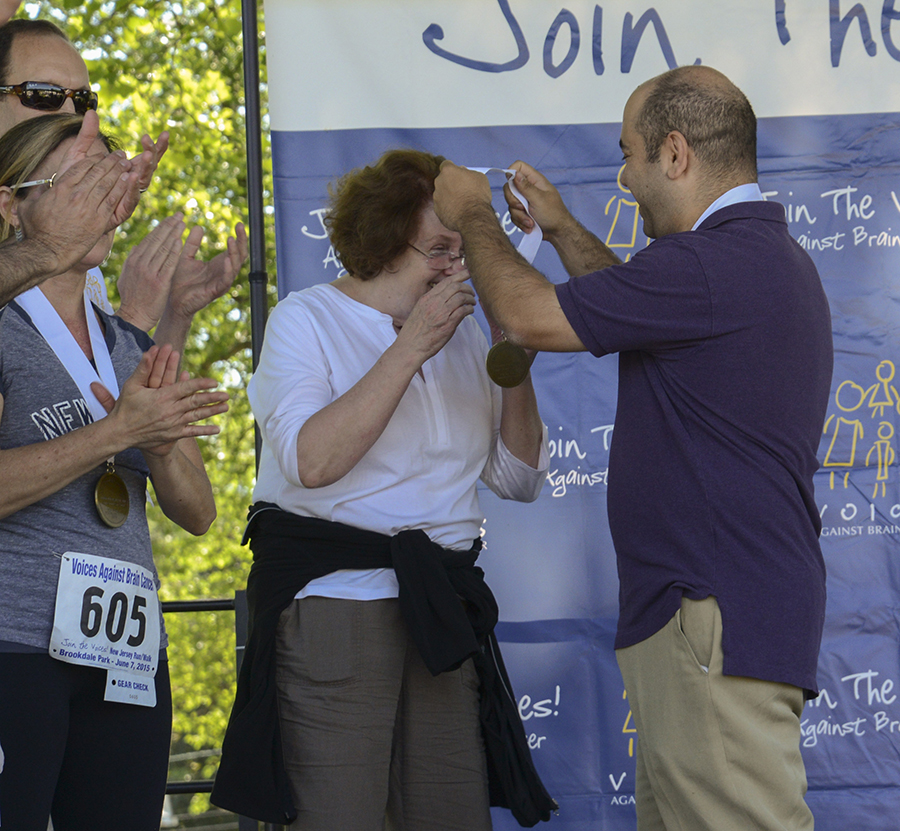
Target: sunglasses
x=39, y=96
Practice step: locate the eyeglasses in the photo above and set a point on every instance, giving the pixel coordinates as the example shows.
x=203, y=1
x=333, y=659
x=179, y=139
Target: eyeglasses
x=440, y=258
x=38, y=96
x=34, y=182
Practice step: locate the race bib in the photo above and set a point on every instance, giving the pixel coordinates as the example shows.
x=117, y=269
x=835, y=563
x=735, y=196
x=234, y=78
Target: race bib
x=107, y=616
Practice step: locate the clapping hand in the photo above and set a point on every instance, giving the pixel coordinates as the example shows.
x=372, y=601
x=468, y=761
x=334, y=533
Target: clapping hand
x=158, y=406
x=147, y=273
x=195, y=283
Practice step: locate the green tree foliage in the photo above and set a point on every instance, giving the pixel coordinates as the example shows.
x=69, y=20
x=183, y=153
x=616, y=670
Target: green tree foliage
x=177, y=66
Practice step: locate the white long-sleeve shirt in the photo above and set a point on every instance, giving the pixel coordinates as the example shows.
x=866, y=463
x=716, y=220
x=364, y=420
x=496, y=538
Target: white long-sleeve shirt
x=422, y=471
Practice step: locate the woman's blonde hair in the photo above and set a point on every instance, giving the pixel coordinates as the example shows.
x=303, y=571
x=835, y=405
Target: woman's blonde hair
x=25, y=146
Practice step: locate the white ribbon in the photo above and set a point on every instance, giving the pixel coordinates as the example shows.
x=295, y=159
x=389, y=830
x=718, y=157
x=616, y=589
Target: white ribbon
x=70, y=354
x=530, y=242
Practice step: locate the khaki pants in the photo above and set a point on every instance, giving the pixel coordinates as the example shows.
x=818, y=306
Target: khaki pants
x=714, y=752
x=372, y=740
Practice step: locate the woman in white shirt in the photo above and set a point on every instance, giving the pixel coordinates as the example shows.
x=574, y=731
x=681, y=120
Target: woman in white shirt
x=377, y=419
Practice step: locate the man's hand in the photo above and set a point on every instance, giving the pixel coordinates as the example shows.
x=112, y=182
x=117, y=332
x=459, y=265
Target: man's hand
x=83, y=147
x=87, y=197
x=579, y=249
x=195, y=284
x=457, y=191
x=7, y=9
x=147, y=274
x=544, y=202
x=144, y=164
x=142, y=169
x=157, y=150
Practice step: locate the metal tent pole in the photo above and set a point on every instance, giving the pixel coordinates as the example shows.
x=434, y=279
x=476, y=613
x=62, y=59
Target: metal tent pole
x=258, y=276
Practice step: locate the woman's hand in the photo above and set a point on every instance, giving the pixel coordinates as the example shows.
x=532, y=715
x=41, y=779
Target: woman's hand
x=152, y=411
x=161, y=408
x=157, y=408
x=436, y=315
x=332, y=441
x=146, y=276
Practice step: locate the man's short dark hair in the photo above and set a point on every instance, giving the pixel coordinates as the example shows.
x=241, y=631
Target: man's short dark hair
x=16, y=28
x=710, y=112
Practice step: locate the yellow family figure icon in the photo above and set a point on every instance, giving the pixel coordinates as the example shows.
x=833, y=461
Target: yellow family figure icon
x=884, y=394
x=627, y=727
x=848, y=397
x=886, y=456
x=623, y=229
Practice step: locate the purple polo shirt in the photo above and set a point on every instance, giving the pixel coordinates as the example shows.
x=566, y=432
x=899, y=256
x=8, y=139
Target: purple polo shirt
x=725, y=363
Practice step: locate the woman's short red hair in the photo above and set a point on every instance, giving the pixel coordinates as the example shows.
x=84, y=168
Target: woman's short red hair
x=374, y=210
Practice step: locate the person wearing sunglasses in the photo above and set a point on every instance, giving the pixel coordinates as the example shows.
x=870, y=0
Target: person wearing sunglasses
x=162, y=280
x=89, y=410
x=50, y=98
x=40, y=73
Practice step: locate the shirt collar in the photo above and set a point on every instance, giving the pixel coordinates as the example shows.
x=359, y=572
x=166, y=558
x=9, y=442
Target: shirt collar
x=742, y=193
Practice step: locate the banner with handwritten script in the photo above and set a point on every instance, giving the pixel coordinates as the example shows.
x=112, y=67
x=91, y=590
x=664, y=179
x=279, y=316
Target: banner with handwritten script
x=486, y=82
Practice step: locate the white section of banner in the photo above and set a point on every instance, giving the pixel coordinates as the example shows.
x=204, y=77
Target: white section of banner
x=437, y=63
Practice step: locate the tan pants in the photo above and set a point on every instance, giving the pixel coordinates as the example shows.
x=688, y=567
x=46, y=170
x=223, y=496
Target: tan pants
x=715, y=752
x=372, y=740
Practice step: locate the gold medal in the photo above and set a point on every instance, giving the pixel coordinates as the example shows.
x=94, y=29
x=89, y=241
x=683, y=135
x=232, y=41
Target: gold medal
x=111, y=497
x=507, y=364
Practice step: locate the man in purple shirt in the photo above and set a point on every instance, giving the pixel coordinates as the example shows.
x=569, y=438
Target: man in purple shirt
x=725, y=360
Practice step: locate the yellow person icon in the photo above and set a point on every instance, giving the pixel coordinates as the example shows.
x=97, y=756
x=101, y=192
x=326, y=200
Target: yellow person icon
x=886, y=455
x=627, y=727
x=884, y=394
x=623, y=230
x=848, y=398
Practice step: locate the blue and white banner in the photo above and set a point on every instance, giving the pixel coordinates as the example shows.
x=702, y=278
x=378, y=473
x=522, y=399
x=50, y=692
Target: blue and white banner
x=486, y=82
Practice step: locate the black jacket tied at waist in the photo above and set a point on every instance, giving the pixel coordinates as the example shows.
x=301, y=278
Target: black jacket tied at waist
x=289, y=551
